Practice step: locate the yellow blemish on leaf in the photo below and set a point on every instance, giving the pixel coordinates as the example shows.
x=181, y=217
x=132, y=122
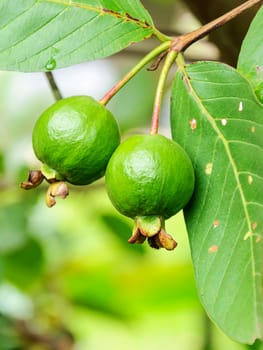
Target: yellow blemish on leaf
x=209, y=168
x=240, y=106
x=249, y=179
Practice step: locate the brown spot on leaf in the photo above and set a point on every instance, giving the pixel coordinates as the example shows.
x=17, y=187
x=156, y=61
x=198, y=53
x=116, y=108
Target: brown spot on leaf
x=126, y=16
x=259, y=70
x=216, y=223
x=193, y=124
x=131, y=17
x=111, y=12
x=259, y=238
x=213, y=249
x=253, y=129
x=254, y=225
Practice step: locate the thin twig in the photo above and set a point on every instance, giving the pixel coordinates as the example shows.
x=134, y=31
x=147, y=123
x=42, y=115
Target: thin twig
x=182, y=42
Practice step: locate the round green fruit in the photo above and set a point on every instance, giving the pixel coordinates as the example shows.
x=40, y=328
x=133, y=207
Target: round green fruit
x=150, y=178
x=149, y=175
x=76, y=137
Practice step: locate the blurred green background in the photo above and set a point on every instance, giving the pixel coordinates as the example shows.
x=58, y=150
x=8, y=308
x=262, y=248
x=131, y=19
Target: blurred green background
x=68, y=277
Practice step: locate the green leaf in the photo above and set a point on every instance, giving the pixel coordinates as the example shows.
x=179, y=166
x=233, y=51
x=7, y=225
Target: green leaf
x=250, y=61
x=94, y=289
x=39, y=35
x=217, y=119
x=8, y=335
x=24, y=266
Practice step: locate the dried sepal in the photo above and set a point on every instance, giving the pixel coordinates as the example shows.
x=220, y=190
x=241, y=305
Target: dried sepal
x=162, y=240
x=56, y=189
x=136, y=237
x=35, y=177
x=152, y=229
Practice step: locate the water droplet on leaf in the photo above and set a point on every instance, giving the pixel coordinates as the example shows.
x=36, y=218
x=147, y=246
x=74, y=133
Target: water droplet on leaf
x=51, y=64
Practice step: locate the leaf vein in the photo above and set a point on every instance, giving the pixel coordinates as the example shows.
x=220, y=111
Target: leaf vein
x=18, y=15
x=94, y=38
x=33, y=33
x=223, y=191
x=248, y=144
x=214, y=126
x=102, y=11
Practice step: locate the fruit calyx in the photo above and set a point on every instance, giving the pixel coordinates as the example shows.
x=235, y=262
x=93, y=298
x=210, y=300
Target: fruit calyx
x=152, y=229
x=57, y=187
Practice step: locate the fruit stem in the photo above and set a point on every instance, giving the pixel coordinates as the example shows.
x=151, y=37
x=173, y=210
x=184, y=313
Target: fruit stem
x=53, y=85
x=146, y=59
x=170, y=58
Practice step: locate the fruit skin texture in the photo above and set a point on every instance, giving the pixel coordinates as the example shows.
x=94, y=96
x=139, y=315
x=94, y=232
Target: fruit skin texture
x=76, y=136
x=149, y=175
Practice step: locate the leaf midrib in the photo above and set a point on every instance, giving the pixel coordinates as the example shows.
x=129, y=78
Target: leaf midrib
x=102, y=11
x=235, y=172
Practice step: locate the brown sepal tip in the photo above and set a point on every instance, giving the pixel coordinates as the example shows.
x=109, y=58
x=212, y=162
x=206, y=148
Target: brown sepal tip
x=35, y=177
x=56, y=189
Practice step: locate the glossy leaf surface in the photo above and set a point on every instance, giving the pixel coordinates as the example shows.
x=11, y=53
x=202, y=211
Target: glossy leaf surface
x=217, y=119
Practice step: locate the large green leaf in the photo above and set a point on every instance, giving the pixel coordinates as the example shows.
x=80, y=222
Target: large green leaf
x=250, y=61
x=217, y=119
x=38, y=35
